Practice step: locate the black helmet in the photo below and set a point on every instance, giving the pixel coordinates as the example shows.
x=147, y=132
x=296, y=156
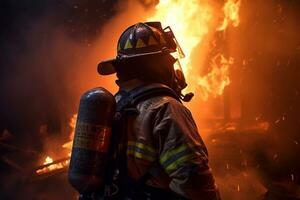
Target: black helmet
x=139, y=40
x=147, y=41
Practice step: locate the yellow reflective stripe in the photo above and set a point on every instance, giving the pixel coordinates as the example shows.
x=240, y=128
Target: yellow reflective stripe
x=173, y=152
x=141, y=151
x=141, y=146
x=170, y=168
x=172, y=159
x=140, y=155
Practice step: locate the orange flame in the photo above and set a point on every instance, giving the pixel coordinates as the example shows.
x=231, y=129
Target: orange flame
x=48, y=160
x=51, y=167
x=217, y=79
x=72, y=124
x=231, y=12
x=68, y=145
x=191, y=21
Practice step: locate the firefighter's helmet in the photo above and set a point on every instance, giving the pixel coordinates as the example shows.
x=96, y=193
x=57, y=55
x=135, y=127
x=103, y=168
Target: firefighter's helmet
x=141, y=39
x=147, y=40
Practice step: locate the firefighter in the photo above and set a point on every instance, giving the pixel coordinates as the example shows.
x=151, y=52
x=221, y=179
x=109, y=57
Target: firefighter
x=164, y=154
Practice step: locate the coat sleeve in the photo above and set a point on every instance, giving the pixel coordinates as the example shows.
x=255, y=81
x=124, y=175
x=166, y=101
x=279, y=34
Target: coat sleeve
x=182, y=153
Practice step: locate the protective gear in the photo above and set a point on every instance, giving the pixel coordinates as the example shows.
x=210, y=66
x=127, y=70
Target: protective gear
x=139, y=40
x=91, y=140
x=164, y=135
x=156, y=149
x=143, y=45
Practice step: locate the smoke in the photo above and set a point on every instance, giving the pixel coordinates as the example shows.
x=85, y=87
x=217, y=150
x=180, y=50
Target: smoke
x=41, y=58
x=82, y=70
x=50, y=55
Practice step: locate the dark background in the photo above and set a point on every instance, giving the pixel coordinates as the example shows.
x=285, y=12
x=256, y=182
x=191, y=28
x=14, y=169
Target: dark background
x=32, y=77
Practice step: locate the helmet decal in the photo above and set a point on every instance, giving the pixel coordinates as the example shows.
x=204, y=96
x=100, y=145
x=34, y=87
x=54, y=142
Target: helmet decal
x=140, y=44
x=128, y=45
x=141, y=38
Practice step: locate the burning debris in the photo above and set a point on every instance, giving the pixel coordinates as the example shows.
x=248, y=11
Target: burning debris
x=49, y=165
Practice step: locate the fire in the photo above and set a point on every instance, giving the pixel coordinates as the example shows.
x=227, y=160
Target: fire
x=49, y=165
x=217, y=79
x=48, y=160
x=72, y=124
x=191, y=21
x=231, y=12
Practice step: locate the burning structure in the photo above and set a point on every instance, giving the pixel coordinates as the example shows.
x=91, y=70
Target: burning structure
x=241, y=62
